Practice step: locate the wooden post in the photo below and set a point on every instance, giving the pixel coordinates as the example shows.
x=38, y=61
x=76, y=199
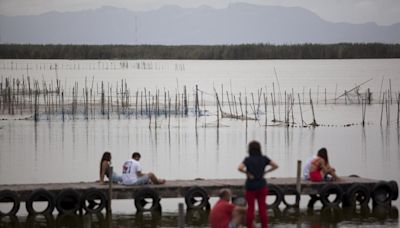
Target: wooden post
x=230, y=109
x=298, y=179
x=110, y=182
x=273, y=108
x=382, y=108
x=265, y=109
x=181, y=216
x=398, y=109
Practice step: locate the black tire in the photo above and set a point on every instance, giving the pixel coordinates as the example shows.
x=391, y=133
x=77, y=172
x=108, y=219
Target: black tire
x=191, y=196
x=395, y=189
x=382, y=193
x=328, y=190
x=147, y=193
x=68, y=201
x=40, y=195
x=93, y=200
x=7, y=196
x=357, y=194
x=293, y=192
x=275, y=190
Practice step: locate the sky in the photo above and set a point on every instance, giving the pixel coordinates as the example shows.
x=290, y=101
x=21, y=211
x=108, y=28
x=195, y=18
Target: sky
x=382, y=12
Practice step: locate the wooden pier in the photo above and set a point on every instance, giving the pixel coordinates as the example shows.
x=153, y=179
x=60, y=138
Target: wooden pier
x=93, y=196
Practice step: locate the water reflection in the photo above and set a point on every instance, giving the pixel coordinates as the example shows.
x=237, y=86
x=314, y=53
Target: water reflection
x=328, y=216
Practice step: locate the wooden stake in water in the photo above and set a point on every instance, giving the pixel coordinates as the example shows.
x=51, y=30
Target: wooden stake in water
x=181, y=216
x=301, y=112
x=298, y=177
x=398, y=109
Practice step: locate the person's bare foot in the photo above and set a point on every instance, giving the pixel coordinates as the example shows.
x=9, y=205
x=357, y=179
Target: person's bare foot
x=161, y=181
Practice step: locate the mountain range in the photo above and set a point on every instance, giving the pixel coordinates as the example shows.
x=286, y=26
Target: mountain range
x=172, y=25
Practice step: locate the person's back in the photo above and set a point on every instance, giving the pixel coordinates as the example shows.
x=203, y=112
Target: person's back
x=221, y=214
x=307, y=167
x=129, y=171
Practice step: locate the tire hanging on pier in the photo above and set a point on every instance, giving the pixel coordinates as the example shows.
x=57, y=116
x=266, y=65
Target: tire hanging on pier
x=144, y=194
x=93, y=200
x=7, y=196
x=68, y=201
x=395, y=189
x=291, y=192
x=330, y=189
x=357, y=194
x=277, y=192
x=382, y=193
x=196, y=198
x=40, y=195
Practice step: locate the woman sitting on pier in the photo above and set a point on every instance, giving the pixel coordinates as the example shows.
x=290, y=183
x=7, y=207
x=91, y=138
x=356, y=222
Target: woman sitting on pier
x=319, y=167
x=256, y=186
x=105, y=169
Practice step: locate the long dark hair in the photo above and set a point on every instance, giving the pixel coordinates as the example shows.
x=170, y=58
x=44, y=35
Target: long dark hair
x=323, y=153
x=254, y=148
x=106, y=157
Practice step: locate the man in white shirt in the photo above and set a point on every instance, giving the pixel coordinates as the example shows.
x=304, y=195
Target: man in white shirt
x=132, y=173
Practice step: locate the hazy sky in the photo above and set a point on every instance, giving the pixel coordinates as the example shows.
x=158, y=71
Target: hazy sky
x=382, y=12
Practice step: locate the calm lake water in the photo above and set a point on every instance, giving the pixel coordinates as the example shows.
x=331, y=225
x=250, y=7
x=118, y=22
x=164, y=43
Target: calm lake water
x=70, y=151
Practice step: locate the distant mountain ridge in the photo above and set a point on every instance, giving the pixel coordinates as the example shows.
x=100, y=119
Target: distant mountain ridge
x=172, y=25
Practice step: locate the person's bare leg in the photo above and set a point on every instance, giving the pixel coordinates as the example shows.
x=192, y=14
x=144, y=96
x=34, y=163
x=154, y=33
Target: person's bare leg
x=154, y=179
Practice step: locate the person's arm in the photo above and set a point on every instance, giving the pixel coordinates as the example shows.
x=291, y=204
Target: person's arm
x=139, y=170
x=242, y=168
x=273, y=167
x=104, y=167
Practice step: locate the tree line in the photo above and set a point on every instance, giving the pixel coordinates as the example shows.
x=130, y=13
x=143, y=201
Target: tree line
x=229, y=52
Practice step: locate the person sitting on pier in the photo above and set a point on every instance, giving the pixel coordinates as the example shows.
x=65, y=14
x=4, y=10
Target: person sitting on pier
x=132, y=173
x=320, y=168
x=105, y=169
x=256, y=185
x=225, y=214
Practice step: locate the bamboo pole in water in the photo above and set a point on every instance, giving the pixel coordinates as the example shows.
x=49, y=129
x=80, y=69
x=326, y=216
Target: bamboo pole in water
x=229, y=103
x=388, y=109
x=314, y=123
x=273, y=109
x=136, y=103
x=390, y=91
x=265, y=109
x=216, y=96
x=335, y=93
x=169, y=112
x=398, y=109
x=301, y=112
x=383, y=97
x=245, y=97
x=62, y=105
x=240, y=104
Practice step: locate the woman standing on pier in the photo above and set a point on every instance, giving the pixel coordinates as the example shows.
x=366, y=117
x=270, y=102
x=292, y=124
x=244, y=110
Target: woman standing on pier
x=105, y=169
x=256, y=185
